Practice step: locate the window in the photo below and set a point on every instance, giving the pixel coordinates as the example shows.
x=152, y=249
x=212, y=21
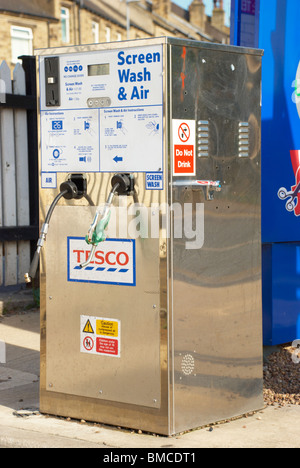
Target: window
x=107, y=34
x=21, y=42
x=65, y=24
x=119, y=36
x=95, y=32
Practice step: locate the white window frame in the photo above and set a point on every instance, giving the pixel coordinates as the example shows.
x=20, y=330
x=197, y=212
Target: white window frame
x=119, y=36
x=65, y=17
x=17, y=32
x=95, y=32
x=107, y=33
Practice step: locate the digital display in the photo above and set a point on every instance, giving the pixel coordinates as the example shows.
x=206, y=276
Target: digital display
x=98, y=69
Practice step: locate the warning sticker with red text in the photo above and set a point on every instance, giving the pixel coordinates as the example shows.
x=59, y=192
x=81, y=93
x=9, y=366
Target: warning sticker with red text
x=99, y=335
x=184, y=162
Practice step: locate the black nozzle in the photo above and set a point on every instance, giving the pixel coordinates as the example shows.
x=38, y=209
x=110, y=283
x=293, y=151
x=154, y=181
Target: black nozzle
x=75, y=187
x=70, y=189
x=126, y=183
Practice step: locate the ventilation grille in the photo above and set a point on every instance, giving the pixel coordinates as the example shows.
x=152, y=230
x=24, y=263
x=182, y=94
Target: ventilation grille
x=187, y=364
x=243, y=139
x=203, y=138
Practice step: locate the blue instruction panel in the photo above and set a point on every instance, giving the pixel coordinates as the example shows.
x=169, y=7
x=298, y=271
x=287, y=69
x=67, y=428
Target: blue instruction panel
x=110, y=116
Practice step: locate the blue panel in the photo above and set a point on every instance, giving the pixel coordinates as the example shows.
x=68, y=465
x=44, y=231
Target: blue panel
x=279, y=36
x=235, y=22
x=282, y=320
x=267, y=294
x=244, y=19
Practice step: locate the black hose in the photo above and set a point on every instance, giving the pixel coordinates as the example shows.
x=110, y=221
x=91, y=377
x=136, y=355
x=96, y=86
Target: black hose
x=53, y=205
x=89, y=200
x=35, y=261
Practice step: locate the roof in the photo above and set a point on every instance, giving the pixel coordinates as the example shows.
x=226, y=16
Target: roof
x=116, y=12
x=143, y=18
x=179, y=11
x=35, y=8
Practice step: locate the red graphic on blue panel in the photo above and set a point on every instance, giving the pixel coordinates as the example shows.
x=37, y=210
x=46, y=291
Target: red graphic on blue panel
x=293, y=195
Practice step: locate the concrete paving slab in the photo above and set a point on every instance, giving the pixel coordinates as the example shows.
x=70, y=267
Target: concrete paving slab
x=16, y=299
x=11, y=378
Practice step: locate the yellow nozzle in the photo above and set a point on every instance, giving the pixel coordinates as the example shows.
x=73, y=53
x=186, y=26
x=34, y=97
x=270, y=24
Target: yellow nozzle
x=27, y=278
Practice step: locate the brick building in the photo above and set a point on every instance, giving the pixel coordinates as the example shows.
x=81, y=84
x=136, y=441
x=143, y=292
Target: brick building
x=29, y=24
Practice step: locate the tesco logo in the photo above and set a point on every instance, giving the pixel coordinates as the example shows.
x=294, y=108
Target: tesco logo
x=110, y=258
x=113, y=262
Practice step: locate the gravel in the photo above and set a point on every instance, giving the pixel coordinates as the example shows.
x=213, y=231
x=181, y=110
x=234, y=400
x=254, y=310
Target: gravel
x=282, y=377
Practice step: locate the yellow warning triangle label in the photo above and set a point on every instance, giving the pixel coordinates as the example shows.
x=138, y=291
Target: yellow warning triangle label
x=88, y=327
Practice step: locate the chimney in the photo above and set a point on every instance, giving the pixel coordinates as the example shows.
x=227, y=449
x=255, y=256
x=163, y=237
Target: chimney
x=197, y=14
x=218, y=15
x=161, y=7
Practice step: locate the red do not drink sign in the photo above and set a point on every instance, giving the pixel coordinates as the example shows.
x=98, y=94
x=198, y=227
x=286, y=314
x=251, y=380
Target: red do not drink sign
x=184, y=147
x=184, y=159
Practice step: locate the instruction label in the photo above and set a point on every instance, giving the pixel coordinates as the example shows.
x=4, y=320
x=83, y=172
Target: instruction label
x=70, y=141
x=99, y=335
x=131, y=139
x=111, y=113
x=114, y=262
x=184, y=157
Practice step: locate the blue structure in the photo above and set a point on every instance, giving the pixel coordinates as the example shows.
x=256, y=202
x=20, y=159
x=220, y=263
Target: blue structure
x=273, y=25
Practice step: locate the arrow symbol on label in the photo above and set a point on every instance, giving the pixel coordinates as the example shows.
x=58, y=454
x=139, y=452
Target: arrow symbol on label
x=118, y=159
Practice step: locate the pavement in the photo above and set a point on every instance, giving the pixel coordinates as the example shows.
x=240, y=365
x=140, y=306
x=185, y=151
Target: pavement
x=23, y=426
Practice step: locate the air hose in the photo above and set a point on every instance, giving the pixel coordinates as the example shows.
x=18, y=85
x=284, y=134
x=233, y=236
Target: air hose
x=68, y=190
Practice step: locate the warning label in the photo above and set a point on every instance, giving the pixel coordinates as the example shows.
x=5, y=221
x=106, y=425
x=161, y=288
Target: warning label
x=88, y=327
x=184, y=132
x=99, y=335
x=88, y=343
x=107, y=327
x=184, y=147
x=107, y=346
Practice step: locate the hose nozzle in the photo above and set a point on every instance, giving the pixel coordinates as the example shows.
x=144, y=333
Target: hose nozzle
x=27, y=278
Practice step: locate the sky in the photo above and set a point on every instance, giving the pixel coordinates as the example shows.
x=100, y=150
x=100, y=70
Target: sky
x=209, y=6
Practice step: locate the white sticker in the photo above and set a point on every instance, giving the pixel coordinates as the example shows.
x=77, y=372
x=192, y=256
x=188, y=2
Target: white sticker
x=154, y=181
x=48, y=180
x=113, y=263
x=127, y=76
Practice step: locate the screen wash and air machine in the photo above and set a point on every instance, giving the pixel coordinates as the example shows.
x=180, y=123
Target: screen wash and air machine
x=150, y=247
